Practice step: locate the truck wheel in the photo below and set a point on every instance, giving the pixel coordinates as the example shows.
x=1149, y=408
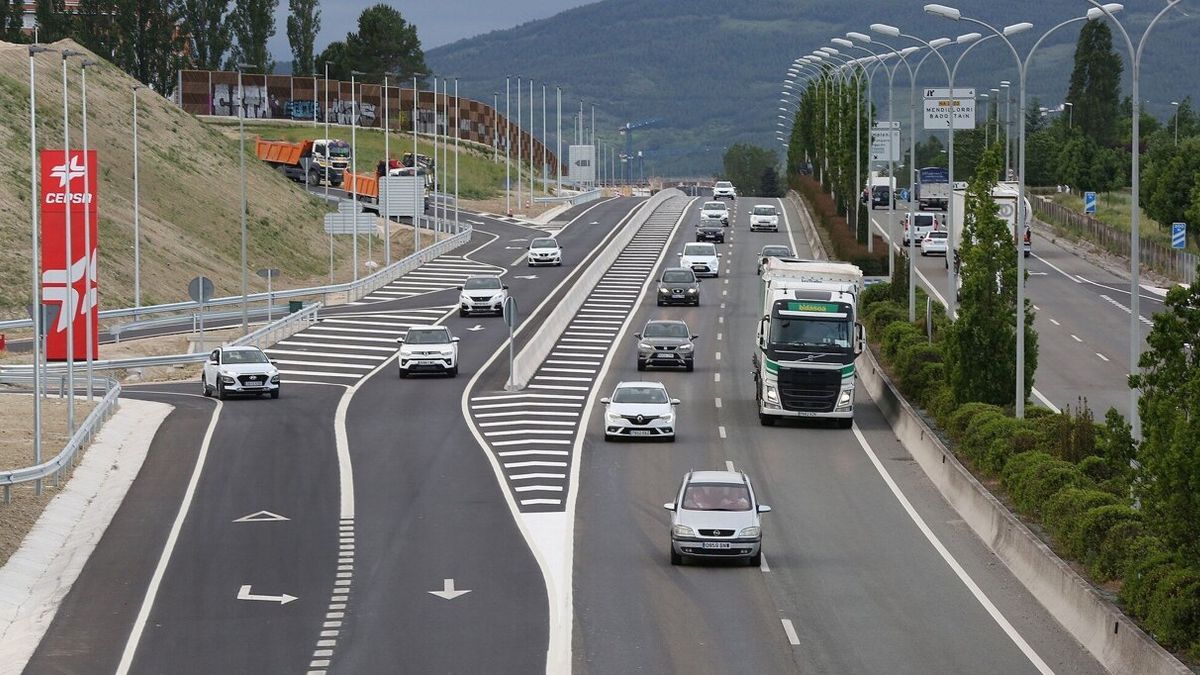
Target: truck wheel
x=845, y=423
x=313, y=178
x=766, y=420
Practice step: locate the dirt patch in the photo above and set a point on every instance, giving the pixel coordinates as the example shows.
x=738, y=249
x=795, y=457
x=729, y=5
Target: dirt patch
x=16, y=451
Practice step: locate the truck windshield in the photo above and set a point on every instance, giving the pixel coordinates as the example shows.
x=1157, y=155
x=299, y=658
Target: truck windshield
x=339, y=150
x=806, y=332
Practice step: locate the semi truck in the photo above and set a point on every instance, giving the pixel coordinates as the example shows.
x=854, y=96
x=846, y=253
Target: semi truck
x=307, y=161
x=1005, y=195
x=932, y=188
x=807, y=340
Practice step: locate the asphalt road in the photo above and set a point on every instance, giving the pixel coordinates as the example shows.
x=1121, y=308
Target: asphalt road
x=1081, y=316
x=850, y=582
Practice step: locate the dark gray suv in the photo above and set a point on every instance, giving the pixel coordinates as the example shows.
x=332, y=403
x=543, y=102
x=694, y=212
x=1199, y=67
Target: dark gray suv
x=678, y=286
x=666, y=343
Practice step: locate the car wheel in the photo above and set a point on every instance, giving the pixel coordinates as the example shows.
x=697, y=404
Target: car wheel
x=558, y=264
x=924, y=254
x=462, y=313
x=220, y=391
x=608, y=438
x=766, y=420
x=403, y=374
x=697, y=302
x=452, y=371
x=659, y=303
x=676, y=559
x=755, y=560
x=204, y=387
x=690, y=365
x=641, y=365
x=275, y=393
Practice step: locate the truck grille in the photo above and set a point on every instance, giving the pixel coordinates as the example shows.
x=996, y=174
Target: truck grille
x=809, y=390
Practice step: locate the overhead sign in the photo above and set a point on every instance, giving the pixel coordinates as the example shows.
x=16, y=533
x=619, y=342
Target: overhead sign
x=1089, y=202
x=942, y=104
x=68, y=193
x=885, y=145
x=1178, y=235
x=581, y=163
x=349, y=216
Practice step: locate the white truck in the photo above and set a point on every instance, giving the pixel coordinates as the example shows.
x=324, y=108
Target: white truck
x=1005, y=195
x=807, y=340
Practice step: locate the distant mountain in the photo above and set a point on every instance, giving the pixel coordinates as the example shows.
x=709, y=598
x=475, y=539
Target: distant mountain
x=712, y=69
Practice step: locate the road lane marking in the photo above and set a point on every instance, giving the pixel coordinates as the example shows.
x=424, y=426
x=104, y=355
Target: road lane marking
x=1075, y=337
x=1102, y=357
x=721, y=432
x=719, y=336
x=791, y=632
x=717, y=355
x=729, y=465
x=716, y=377
x=718, y=401
x=1055, y=322
x=958, y=570
x=763, y=564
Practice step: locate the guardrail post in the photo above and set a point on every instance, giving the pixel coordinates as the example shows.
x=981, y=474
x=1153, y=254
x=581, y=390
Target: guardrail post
x=7, y=494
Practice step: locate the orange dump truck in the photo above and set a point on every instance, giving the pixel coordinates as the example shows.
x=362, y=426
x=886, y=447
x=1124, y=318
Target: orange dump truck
x=307, y=161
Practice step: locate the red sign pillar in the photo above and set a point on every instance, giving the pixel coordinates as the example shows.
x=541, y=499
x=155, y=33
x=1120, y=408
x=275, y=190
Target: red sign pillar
x=63, y=278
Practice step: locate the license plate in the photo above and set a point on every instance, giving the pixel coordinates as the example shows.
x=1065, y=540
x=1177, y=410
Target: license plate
x=639, y=432
x=253, y=384
x=716, y=544
x=427, y=363
x=677, y=295
x=664, y=355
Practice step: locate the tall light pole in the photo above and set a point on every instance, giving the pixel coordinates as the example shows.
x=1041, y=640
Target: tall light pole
x=495, y=127
x=416, y=220
x=69, y=299
x=520, y=199
x=137, y=235
x=89, y=269
x=354, y=159
x=558, y=141
x=1176, y=104
x=1006, y=87
x=35, y=272
x=532, y=126
x=387, y=172
x=507, y=155
x=242, y=156
x=328, y=162
x=457, y=134
x=545, y=142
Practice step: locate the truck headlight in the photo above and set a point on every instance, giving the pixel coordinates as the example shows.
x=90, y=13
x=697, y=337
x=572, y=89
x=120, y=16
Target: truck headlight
x=771, y=394
x=682, y=531
x=752, y=531
x=846, y=398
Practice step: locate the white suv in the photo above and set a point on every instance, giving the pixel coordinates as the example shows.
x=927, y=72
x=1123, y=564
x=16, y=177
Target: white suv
x=639, y=410
x=724, y=190
x=482, y=294
x=239, y=370
x=701, y=258
x=428, y=349
x=544, y=251
x=714, y=211
x=764, y=217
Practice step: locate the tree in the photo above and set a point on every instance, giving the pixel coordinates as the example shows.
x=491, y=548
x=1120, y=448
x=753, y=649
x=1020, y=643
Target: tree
x=303, y=24
x=96, y=26
x=1035, y=119
x=1169, y=177
x=148, y=46
x=53, y=22
x=1169, y=406
x=205, y=26
x=745, y=164
x=769, y=185
x=253, y=23
x=981, y=343
x=385, y=43
x=338, y=58
x=11, y=20
x=1094, y=92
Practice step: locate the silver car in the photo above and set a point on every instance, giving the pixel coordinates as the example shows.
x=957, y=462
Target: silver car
x=666, y=343
x=639, y=410
x=544, y=251
x=716, y=515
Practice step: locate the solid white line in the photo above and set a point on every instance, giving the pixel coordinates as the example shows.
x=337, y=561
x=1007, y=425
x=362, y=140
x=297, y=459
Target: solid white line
x=139, y=624
x=524, y=441
x=534, y=502
x=555, y=387
x=526, y=453
x=291, y=343
x=335, y=355
x=538, y=488
x=317, y=373
x=324, y=364
x=525, y=403
x=510, y=423
x=790, y=630
x=950, y=560
x=721, y=432
x=524, y=395
x=522, y=465
x=763, y=565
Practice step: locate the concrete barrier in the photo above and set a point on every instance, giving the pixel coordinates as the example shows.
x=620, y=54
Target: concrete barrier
x=527, y=361
x=1110, y=636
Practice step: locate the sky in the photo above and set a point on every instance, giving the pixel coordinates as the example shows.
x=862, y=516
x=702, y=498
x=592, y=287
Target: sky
x=438, y=22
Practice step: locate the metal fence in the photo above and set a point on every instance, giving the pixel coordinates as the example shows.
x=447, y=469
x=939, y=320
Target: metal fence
x=1173, y=263
x=80, y=439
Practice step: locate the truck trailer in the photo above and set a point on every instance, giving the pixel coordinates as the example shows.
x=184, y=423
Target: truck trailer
x=807, y=340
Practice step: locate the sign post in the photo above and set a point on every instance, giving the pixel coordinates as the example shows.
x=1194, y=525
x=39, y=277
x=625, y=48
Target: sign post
x=1089, y=202
x=510, y=320
x=1179, y=235
x=200, y=289
x=269, y=273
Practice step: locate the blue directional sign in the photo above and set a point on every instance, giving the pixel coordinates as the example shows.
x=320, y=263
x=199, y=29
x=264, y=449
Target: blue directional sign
x=1089, y=202
x=903, y=194
x=1178, y=235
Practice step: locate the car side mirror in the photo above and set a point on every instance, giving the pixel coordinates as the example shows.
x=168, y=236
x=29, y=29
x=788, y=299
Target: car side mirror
x=454, y=339
x=460, y=288
x=637, y=335
x=399, y=341
x=763, y=508
x=678, y=255
x=695, y=337
x=273, y=363
x=213, y=359
x=674, y=401
x=505, y=287
x=605, y=401
x=670, y=506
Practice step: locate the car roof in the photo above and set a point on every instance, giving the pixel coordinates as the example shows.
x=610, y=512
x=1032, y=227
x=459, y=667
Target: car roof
x=678, y=321
x=717, y=477
x=778, y=246
x=240, y=348
x=708, y=204
x=679, y=269
x=427, y=328
x=543, y=239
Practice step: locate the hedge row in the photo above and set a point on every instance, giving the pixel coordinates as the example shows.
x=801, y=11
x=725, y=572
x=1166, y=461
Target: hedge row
x=841, y=235
x=1061, y=469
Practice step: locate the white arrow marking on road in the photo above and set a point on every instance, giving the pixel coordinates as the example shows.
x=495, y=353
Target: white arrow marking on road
x=594, y=222
x=514, y=248
x=475, y=222
x=245, y=594
x=476, y=327
x=519, y=239
x=526, y=276
x=1038, y=274
x=261, y=517
x=447, y=592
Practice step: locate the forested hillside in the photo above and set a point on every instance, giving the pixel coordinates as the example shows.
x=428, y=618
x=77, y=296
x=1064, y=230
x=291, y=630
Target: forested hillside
x=712, y=70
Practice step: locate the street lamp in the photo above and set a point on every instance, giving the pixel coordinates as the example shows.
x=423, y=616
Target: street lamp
x=328, y=162
x=354, y=160
x=507, y=142
x=1176, y=104
x=242, y=155
x=89, y=295
x=137, y=237
x=1070, y=114
x=35, y=278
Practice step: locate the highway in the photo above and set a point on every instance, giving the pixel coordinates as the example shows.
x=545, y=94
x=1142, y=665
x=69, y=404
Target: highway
x=1081, y=316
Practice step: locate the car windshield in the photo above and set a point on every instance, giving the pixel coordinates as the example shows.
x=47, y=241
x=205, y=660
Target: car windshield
x=936, y=234
x=810, y=332
x=776, y=251
x=244, y=356
x=678, y=277
x=714, y=206
x=427, y=337
x=764, y=210
x=699, y=249
x=724, y=184
x=880, y=189
x=716, y=497
x=640, y=395
x=543, y=243
x=666, y=329
x=482, y=284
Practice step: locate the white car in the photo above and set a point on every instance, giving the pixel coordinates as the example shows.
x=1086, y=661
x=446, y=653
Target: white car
x=639, y=410
x=544, y=251
x=764, y=217
x=701, y=258
x=935, y=243
x=239, y=370
x=428, y=349
x=926, y=222
x=717, y=515
x=482, y=294
x=714, y=211
x=723, y=189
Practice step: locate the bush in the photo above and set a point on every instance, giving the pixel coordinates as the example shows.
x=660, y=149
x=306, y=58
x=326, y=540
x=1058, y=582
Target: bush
x=1069, y=435
x=961, y=417
x=842, y=239
x=1174, y=616
x=1096, y=468
x=941, y=402
x=895, y=336
x=984, y=430
x=1063, y=514
x=881, y=315
x=873, y=294
x=918, y=364
x=1094, y=525
x=929, y=380
x=1122, y=545
x=1032, y=478
x=1143, y=579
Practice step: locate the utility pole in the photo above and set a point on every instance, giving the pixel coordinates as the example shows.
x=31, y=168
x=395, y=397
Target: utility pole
x=507, y=154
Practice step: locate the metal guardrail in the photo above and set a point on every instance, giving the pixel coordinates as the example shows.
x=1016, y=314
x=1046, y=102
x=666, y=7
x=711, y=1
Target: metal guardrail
x=354, y=289
x=80, y=439
x=118, y=329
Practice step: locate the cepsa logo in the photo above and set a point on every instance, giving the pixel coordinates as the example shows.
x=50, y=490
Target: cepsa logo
x=68, y=179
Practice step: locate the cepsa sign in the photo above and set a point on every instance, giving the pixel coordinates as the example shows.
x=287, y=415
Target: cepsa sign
x=68, y=211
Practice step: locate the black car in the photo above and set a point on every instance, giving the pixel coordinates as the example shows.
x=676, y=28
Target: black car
x=678, y=286
x=879, y=196
x=710, y=231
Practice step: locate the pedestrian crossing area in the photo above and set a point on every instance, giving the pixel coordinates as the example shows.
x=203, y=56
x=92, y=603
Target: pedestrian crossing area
x=344, y=348
x=441, y=273
x=533, y=431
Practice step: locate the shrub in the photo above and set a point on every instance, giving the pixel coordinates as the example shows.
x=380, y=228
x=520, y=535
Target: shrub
x=984, y=430
x=873, y=294
x=1094, y=524
x=1122, y=545
x=1032, y=478
x=1069, y=435
x=1095, y=468
x=894, y=336
x=1174, y=615
x=940, y=400
x=929, y=380
x=960, y=418
x=1118, y=486
x=881, y=315
x=1142, y=579
x=917, y=364
x=1063, y=513
x=842, y=239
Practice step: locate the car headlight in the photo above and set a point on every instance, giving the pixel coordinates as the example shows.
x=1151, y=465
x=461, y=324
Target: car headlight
x=669, y=418
x=274, y=379
x=685, y=348
x=683, y=531
x=752, y=531
x=691, y=291
x=664, y=291
x=497, y=297
x=771, y=394
x=645, y=345
x=612, y=418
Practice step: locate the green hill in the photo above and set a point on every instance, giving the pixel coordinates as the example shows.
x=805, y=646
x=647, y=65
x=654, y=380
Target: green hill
x=713, y=70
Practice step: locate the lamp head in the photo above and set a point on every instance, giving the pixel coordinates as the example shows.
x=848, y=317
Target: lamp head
x=944, y=11
x=909, y=50
x=967, y=38
x=884, y=29
x=860, y=37
x=842, y=42
x=829, y=50
x=1017, y=28
x=940, y=42
x=1094, y=13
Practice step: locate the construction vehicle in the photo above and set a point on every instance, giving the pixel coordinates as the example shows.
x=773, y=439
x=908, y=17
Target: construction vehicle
x=307, y=161
x=807, y=340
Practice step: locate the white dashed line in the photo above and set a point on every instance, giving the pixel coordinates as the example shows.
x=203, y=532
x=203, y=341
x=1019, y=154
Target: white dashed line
x=718, y=400
x=1102, y=357
x=788, y=628
x=729, y=465
x=1075, y=337
x=717, y=356
x=1055, y=322
x=716, y=377
x=721, y=431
